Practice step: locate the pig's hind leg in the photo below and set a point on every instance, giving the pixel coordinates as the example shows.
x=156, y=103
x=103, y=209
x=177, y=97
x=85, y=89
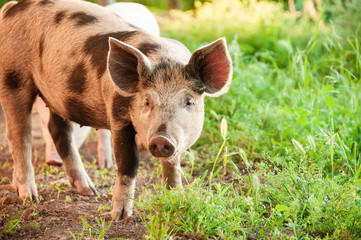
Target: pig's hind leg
x=51, y=155
x=105, y=155
x=17, y=94
x=62, y=133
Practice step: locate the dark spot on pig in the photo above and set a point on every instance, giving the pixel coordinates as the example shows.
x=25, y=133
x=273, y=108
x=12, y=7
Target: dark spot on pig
x=13, y=80
x=17, y=8
x=41, y=51
x=97, y=47
x=197, y=86
x=162, y=128
x=46, y=2
x=148, y=48
x=41, y=47
x=82, y=18
x=59, y=16
x=78, y=111
x=166, y=69
x=126, y=151
x=77, y=79
x=120, y=107
x=167, y=65
x=163, y=65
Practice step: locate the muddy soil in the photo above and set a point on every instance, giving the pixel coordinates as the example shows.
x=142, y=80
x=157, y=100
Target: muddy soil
x=59, y=213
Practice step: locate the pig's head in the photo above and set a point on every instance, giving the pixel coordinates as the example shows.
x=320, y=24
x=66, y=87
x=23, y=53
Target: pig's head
x=167, y=109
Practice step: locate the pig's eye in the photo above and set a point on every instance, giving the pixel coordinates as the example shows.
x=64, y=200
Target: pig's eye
x=188, y=102
x=147, y=102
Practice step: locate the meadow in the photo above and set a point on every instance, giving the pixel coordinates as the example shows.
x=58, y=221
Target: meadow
x=280, y=154
x=289, y=165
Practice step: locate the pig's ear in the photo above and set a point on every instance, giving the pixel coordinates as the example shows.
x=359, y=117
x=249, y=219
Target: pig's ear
x=213, y=66
x=126, y=67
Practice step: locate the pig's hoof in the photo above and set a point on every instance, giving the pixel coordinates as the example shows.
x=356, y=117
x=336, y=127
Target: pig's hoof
x=121, y=210
x=27, y=191
x=84, y=186
x=105, y=162
x=54, y=161
x=105, y=157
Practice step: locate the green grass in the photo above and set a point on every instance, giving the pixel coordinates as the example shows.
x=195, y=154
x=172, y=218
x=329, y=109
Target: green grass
x=290, y=166
x=12, y=223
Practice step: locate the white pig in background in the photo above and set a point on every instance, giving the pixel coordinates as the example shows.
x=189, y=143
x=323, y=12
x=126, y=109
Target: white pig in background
x=137, y=15
x=142, y=18
x=95, y=69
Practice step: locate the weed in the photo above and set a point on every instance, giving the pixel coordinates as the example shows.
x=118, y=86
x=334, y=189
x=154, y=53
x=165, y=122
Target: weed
x=286, y=163
x=90, y=231
x=12, y=223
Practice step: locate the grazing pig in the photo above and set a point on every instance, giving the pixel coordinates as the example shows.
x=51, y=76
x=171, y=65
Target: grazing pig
x=94, y=69
x=139, y=16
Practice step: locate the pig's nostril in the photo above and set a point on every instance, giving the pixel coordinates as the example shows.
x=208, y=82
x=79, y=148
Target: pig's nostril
x=161, y=147
x=153, y=147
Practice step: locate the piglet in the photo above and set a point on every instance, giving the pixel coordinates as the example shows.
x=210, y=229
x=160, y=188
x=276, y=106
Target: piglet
x=97, y=70
x=139, y=16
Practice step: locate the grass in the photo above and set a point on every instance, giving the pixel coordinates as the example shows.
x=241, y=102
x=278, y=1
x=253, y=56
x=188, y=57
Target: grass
x=280, y=153
x=289, y=167
x=12, y=223
x=92, y=232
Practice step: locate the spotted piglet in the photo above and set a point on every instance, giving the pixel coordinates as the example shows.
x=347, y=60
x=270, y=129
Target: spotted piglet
x=137, y=15
x=97, y=70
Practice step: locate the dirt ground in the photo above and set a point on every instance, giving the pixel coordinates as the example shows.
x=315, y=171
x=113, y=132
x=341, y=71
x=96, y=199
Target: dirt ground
x=61, y=208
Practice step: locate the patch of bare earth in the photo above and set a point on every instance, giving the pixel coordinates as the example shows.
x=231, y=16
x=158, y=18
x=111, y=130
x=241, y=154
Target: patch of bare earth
x=60, y=208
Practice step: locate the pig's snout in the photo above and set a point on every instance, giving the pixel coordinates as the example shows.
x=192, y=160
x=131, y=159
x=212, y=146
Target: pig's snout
x=161, y=147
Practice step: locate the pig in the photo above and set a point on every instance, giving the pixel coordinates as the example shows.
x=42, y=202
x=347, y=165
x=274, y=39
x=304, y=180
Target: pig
x=94, y=69
x=136, y=14
x=139, y=16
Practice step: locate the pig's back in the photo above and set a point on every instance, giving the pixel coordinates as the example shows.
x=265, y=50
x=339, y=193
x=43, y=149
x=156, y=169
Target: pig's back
x=54, y=27
x=63, y=45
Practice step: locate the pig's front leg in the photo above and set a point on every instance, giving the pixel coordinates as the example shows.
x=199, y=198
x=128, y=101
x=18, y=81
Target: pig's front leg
x=171, y=172
x=126, y=157
x=62, y=133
